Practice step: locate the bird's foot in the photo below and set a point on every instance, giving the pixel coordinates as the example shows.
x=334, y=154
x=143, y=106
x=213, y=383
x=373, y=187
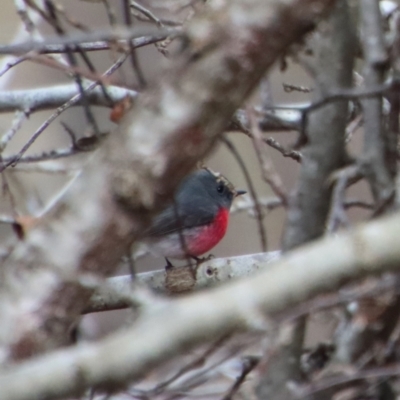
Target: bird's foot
x=200, y=260
x=169, y=264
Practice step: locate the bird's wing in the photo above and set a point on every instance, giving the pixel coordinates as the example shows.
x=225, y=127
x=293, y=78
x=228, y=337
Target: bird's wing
x=191, y=215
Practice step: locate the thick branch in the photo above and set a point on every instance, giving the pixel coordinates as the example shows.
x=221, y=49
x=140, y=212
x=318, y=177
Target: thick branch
x=131, y=353
x=325, y=151
x=116, y=292
x=380, y=144
x=332, y=65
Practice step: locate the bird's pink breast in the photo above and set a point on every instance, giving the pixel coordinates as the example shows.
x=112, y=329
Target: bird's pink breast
x=209, y=235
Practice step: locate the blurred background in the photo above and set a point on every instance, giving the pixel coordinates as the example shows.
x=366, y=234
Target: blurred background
x=26, y=191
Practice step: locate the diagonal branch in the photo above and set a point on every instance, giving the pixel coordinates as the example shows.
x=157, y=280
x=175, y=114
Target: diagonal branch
x=187, y=322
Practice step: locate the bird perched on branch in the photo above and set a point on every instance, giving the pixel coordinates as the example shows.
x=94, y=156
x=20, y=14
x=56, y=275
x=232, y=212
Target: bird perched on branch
x=197, y=219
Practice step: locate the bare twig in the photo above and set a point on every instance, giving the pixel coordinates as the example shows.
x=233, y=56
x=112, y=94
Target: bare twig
x=343, y=179
x=248, y=364
x=12, y=63
x=295, y=155
x=20, y=117
x=279, y=118
x=329, y=383
x=137, y=6
x=245, y=203
x=344, y=296
x=269, y=173
x=253, y=193
x=23, y=13
x=193, y=364
x=55, y=96
x=58, y=111
x=90, y=40
x=134, y=60
x=288, y=88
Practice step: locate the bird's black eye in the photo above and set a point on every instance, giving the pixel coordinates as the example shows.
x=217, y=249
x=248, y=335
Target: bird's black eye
x=220, y=188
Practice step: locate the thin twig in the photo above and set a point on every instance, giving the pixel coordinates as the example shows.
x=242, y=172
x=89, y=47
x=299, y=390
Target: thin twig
x=135, y=5
x=253, y=193
x=307, y=391
x=198, y=361
x=12, y=63
x=72, y=60
x=288, y=88
x=268, y=170
x=22, y=11
x=337, y=214
x=293, y=154
x=248, y=364
x=134, y=60
x=58, y=112
x=20, y=117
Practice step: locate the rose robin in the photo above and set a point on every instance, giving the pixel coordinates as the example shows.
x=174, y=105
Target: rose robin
x=198, y=218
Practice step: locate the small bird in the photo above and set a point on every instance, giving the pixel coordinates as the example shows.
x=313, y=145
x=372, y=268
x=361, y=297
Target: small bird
x=197, y=219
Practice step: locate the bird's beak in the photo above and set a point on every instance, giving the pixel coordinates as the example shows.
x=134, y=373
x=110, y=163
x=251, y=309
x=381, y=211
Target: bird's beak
x=240, y=192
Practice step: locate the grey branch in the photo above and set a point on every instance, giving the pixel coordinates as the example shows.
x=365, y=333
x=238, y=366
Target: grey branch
x=331, y=63
x=90, y=41
x=380, y=161
x=30, y=100
x=243, y=304
x=44, y=48
x=115, y=294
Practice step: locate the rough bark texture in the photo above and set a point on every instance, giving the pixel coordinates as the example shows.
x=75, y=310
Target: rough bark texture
x=331, y=64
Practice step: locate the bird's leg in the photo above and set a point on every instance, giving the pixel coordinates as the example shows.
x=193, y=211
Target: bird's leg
x=130, y=262
x=131, y=265
x=169, y=264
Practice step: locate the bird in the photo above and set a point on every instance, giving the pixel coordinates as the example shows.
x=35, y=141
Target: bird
x=197, y=218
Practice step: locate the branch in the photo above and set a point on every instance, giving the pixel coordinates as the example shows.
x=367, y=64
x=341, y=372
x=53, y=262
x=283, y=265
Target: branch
x=281, y=119
x=51, y=97
x=90, y=40
x=115, y=294
x=332, y=68
x=131, y=353
x=380, y=161
x=44, y=48
x=332, y=65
